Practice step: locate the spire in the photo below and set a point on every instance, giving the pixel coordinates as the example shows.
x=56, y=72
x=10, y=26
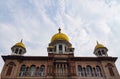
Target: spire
x=59, y=30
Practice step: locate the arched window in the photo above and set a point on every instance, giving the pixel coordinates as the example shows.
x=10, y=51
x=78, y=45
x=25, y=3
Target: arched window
x=22, y=70
x=16, y=50
x=32, y=70
x=89, y=70
x=98, y=71
x=60, y=49
x=42, y=70
x=110, y=69
x=99, y=52
x=10, y=68
x=103, y=52
x=80, y=71
x=20, y=51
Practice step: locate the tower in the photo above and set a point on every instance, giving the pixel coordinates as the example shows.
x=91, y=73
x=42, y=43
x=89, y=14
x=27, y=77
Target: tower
x=60, y=44
x=18, y=49
x=100, y=50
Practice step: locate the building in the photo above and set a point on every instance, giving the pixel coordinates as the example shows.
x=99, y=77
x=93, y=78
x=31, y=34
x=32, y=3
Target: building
x=60, y=62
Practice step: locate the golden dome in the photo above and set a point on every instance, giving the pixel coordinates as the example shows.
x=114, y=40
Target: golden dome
x=20, y=44
x=59, y=36
x=99, y=46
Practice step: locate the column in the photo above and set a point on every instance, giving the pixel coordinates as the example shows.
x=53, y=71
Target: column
x=63, y=47
x=66, y=69
x=63, y=73
x=56, y=70
x=57, y=48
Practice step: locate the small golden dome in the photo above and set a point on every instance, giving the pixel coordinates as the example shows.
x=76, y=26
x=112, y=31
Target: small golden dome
x=99, y=45
x=59, y=36
x=20, y=44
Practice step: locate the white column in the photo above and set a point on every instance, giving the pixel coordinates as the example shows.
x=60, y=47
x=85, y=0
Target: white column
x=63, y=47
x=57, y=48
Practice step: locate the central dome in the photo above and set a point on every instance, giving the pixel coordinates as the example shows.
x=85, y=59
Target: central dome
x=59, y=36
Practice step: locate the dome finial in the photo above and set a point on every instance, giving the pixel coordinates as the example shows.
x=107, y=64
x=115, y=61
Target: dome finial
x=59, y=30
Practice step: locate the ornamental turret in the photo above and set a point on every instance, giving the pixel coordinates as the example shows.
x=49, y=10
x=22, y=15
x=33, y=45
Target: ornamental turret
x=18, y=49
x=100, y=50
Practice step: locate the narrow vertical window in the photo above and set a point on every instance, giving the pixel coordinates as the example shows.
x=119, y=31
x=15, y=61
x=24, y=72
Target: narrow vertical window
x=103, y=52
x=16, y=50
x=111, y=71
x=80, y=71
x=32, y=70
x=22, y=70
x=60, y=48
x=89, y=70
x=42, y=70
x=20, y=52
x=99, y=53
x=9, y=70
x=10, y=66
x=98, y=71
x=55, y=49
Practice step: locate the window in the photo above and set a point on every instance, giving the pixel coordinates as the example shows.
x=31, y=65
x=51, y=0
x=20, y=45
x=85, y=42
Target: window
x=20, y=52
x=99, y=53
x=16, y=51
x=9, y=70
x=32, y=70
x=111, y=71
x=10, y=67
x=89, y=70
x=55, y=49
x=42, y=70
x=60, y=49
x=80, y=72
x=22, y=70
x=98, y=71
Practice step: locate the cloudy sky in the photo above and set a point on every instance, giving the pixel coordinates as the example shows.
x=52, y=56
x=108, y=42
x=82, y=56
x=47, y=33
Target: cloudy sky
x=36, y=21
